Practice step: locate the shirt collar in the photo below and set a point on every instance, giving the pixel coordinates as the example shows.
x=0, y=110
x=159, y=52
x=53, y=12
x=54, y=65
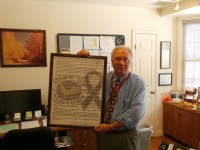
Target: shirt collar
x=121, y=78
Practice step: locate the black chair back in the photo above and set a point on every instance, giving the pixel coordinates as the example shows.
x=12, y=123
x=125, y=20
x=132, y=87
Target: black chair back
x=39, y=138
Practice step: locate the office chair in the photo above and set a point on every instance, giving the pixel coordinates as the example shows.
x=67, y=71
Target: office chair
x=39, y=138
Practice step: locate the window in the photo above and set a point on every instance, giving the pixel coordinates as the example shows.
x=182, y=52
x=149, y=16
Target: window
x=192, y=54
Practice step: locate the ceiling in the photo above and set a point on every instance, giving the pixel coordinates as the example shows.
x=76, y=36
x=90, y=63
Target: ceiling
x=126, y=3
x=154, y=4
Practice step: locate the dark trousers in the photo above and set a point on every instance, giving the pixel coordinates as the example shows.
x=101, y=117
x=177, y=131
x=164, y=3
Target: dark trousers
x=118, y=140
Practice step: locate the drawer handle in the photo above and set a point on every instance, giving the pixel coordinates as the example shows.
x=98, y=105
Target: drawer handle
x=82, y=133
x=180, y=113
x=84, y=144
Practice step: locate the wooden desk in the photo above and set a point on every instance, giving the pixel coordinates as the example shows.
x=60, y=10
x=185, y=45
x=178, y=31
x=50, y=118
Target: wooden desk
x=83, y=138
x=181, y=123
x=56, y=130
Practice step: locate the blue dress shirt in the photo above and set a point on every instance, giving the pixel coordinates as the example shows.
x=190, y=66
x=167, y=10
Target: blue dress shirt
x=130, y=104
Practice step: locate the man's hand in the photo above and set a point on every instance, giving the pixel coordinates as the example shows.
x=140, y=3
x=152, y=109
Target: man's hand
x=107, y=127
x=83, y=53
x=102, y=128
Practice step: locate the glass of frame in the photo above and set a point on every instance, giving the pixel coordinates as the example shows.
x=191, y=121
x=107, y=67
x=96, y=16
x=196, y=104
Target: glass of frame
x=23, y=48
x=165, y=79
x=76, y=90
x=165, y=54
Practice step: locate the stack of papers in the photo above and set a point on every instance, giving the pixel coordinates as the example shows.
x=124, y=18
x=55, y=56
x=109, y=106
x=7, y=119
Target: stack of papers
x=30, y=124
x=7, y=127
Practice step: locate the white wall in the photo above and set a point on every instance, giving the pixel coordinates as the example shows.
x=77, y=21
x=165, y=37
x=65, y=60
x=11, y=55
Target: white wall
x=58, y=17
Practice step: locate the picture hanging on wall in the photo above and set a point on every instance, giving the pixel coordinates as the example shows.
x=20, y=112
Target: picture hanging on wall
x=165, y=79
x=23, y=48
x=165, y=54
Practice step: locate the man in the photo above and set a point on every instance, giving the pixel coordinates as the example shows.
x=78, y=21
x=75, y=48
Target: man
x=125, y=104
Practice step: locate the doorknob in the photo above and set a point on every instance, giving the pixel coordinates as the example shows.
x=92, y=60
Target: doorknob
x=152, y=92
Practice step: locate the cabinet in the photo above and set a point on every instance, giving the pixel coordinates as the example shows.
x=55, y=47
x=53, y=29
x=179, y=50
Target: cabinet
x=181, y=123
x=83, y=139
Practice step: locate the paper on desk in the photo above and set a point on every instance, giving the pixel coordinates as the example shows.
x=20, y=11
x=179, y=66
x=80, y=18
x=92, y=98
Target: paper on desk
x=44, y=121
x=30, y=124
x=38, y=113
x=17, y=115
x=29, y=114
x=7, y=127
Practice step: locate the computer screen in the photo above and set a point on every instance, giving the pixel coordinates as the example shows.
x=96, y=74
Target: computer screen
x=20, y=101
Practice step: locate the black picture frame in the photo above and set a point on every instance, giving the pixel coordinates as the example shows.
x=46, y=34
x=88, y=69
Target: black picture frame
x=165, y=79
x=198, y=93
x=23, y=48
x=76, y=91
x=165, y=54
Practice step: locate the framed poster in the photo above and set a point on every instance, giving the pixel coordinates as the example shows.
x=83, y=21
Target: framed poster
x=165, y=54
x=76, y=90
x=165, y=79
x=23, y=48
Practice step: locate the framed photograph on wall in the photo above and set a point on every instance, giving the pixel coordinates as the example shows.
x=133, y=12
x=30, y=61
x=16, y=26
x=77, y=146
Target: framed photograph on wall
x=76, y=90
x=23, y=48
x=165, y=79
x=165, y=54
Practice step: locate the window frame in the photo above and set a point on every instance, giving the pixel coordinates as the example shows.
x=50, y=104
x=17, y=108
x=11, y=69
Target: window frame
x=185, y=22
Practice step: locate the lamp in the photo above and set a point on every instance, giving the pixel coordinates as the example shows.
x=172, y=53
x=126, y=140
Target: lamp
x=177, y=6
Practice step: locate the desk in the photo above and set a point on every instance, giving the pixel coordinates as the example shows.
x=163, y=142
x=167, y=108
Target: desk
x=56, y=130
x=17, y=125
x=83, y=138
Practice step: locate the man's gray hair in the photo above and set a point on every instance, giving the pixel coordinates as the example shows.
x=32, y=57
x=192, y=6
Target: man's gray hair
x=121, y=47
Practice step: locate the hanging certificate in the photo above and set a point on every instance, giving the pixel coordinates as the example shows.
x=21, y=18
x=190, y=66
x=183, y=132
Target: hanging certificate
x=165, y=79
x=76, y=90
x=165, y=54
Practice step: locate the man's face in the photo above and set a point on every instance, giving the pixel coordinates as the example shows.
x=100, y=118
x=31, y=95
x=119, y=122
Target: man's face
x=121, y=62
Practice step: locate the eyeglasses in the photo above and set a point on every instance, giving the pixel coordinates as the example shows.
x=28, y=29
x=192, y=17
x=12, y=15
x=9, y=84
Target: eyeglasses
x=119, y=59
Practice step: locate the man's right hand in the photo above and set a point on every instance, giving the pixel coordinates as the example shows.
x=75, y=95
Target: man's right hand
x=83, y=53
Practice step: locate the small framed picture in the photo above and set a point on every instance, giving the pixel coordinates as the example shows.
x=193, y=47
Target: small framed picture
x=23, y=48
x=165, y=54
x=176, y=94
x=165, y=79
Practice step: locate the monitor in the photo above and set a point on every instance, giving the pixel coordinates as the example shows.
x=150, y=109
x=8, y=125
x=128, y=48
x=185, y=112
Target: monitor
x=20, y=101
